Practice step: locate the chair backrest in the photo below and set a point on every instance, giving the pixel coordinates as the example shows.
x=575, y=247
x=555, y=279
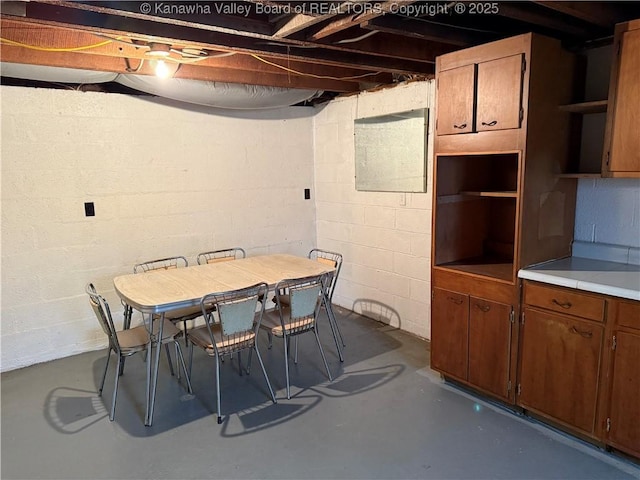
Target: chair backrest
x=225, y=255
x=237, y=313
x=304, y=298
x=332, y=259
x=103, y=314
x=161, y=264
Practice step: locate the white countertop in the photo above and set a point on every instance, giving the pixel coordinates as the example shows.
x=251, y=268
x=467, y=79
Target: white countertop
x=598, y=276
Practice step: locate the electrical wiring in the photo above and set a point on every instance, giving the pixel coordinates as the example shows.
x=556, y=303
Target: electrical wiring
x=184, y=60
x=51, y=49
x=325, y=77
x=106, y=42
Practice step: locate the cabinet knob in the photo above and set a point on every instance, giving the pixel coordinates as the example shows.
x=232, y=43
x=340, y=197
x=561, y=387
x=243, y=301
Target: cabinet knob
x=582, y=333
x=457, y=301
x=490, y=124
x=484, y=308
x=461, y=126
x=562, y=304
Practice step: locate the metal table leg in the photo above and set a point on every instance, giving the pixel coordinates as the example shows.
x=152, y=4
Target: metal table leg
x=155, y=358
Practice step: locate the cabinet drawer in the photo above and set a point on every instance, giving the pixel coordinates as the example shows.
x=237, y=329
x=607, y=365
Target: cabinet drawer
x=564, y=301
x=628, y=314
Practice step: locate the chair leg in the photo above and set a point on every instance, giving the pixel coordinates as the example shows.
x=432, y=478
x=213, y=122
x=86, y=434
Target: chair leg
x=322, y=353
x=264, y=372
x=240, y=363
x=178, y=366
x=112, y=414
x=286, y=364
x=332, y=317
x=184, y=325
x=249, y=361
x=190, y=359
x=334, y=326
x=184, y=367
x=218, y=389
x=104, y=375
x=166, y=348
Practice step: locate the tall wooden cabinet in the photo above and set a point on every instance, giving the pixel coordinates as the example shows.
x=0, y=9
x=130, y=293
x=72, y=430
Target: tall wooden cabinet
x=622, y=140
x=498, y=202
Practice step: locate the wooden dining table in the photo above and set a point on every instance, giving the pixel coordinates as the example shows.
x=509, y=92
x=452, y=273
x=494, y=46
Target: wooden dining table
x=159, y=291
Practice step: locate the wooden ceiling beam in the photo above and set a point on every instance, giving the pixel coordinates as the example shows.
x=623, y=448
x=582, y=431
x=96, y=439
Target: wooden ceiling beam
x=229, y=16
x=357, y=15
x=104, y=63
x=388, y=45
x=603, y=14
x=43, y=36
x=516, y=12
x=425, y=30
x=171, y=33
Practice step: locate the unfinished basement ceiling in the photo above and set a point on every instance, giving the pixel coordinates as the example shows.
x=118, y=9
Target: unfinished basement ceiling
x=332, y=46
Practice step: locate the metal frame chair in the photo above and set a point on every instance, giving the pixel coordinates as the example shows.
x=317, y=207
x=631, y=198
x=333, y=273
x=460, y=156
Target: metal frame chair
x=230, y=327
x=179, y=315
x=224, y=255
x=160, y=264
x=125, y=343
x=334, y=260
x=296, y=315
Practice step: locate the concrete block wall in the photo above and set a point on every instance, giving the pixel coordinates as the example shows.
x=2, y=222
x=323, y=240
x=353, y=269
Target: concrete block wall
x=385, y=238
x=608, y=211
x=164, y=181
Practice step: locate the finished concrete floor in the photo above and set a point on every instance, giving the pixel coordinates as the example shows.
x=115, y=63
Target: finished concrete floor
x=385, y=415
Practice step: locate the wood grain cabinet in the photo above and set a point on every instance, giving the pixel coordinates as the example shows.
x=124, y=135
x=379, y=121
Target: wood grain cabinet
x=493, y=178
x=621, y=422
x=481, y=97
x=561, y=356
x=579, y=363
x=622, y=137
x=475, y=335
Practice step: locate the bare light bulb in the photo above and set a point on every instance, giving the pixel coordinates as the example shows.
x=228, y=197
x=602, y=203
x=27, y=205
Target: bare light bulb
x=162, y=70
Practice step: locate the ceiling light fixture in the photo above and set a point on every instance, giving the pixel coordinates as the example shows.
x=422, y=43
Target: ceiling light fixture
x=159, y=50
x=162, y=70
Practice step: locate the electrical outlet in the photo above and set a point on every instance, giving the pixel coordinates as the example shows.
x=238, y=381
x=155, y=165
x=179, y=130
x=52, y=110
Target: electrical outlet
x=307, y=193
x=89, y=209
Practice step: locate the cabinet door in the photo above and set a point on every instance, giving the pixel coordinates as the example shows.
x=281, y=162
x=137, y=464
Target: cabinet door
x=624, y=410
x=559, y=369
x=456, y=100
x=489, y=345
x=499, y=94
x=624, y=154
x=449, y=332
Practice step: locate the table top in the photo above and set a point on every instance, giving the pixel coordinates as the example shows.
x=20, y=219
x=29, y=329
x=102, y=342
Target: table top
x=159, y=291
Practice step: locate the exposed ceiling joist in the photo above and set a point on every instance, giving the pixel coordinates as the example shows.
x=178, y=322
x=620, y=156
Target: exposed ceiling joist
x=427, y=30
x=333, y=45
x=603, y=14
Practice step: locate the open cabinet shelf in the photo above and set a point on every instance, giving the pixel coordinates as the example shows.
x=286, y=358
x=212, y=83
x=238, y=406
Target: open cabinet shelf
x=476, y=209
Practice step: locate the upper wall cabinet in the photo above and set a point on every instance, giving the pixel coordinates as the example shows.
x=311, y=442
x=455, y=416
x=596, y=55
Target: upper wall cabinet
x=481, y=96
x=622, y=135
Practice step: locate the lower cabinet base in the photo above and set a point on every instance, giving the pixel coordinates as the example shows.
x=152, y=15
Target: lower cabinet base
x=519, y=411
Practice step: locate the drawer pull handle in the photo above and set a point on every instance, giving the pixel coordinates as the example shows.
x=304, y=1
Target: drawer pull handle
x=484, y=308
x=457, y=301
x=582, y=333
x=461, y=126
x=490, y=124
x=563, y=305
